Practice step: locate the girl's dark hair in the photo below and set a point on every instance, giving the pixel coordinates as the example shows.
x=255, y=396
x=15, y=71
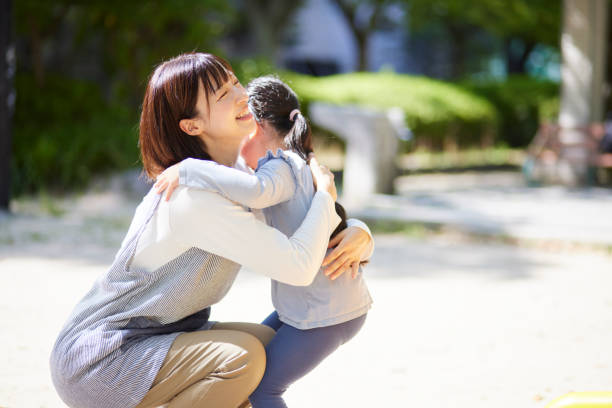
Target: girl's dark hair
x=271, y=100
x=171, y=95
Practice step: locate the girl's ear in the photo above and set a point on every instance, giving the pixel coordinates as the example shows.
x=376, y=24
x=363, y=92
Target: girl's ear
x=266, y=130
x=192, y=127
x=259, y=127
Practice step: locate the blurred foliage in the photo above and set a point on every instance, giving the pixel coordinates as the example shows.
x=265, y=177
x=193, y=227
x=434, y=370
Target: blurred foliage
x=363, y=17
x=250, y=68
x=521, y=102
x=264, y=23
x=129, y=37
x=531, y=20
x=520, y=25
x=435, y=111
x=83, y=65
x=82, y=69
x=66, y=133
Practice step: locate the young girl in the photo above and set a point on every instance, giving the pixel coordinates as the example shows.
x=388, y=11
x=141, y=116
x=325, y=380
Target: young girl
x=310, y=321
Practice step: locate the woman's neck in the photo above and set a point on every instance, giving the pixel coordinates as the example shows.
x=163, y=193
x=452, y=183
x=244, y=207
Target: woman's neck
x=225, y=154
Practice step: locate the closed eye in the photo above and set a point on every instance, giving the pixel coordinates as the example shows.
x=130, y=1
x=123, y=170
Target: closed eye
x=225, y=91
x=222, y=95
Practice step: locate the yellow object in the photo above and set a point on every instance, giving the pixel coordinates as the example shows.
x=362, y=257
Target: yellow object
x=602, y=399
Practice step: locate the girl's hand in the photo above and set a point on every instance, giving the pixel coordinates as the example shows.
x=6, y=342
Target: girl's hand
x=323, y=178
x=168, y=180
x=350, y=245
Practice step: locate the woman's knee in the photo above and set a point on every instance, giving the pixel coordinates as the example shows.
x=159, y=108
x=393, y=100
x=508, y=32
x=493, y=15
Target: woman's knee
x=265, y=334
x=262, y=332
x=250, y=363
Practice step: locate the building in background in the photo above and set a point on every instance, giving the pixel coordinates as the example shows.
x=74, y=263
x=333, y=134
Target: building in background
x=320, y=42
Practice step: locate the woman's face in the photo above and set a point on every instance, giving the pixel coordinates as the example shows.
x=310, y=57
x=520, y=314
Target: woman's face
x=226, y=117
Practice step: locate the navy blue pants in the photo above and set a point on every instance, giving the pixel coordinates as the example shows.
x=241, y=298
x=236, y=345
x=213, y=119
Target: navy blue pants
x=293, y=353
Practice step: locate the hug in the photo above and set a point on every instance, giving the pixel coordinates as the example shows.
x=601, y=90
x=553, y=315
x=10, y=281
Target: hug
x=242, y=190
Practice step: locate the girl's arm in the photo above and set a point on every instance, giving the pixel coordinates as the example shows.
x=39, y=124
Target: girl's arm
x=273, y=183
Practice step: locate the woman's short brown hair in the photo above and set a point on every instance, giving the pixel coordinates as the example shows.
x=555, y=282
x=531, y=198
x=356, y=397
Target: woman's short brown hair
x=171, y=95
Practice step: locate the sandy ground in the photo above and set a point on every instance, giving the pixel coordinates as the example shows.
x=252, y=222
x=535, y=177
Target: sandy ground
x=454, y=324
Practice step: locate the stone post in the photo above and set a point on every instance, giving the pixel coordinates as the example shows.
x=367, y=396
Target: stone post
x=371, y=147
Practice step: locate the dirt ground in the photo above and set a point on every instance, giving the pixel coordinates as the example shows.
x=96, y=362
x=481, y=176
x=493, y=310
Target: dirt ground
x=454, y=323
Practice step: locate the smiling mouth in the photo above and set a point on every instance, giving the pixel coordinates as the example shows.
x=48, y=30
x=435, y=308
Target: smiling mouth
x=245, y=116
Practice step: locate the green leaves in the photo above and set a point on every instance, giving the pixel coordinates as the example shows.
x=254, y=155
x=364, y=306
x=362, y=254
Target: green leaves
x=505, y=112
x=433, y=109
x=82, y=69
x=65, y=132
x=530, y=20
x=129, y=37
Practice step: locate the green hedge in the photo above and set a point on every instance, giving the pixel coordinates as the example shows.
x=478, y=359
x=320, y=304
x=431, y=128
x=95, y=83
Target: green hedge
x=522, y=103
x=65, y=132
x=434, y=109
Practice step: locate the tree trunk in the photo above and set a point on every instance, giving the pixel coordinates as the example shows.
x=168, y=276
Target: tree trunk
x=516, y=56
x=458, y=36
x=361, y=36
x=268, y=20
x=7, y=100
x=362, y=49
x=36, y=52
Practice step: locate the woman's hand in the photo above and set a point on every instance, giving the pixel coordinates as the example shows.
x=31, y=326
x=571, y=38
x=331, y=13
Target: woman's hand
x=168, y=180
x=323, y=178
x=350, y=246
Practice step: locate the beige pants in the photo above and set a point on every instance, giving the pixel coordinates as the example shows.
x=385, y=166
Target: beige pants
x=214, y=368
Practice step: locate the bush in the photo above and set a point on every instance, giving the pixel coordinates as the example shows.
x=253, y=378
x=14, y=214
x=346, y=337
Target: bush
x=64, y=132
x=250, y=68
x=522, y=103
x=435, y=111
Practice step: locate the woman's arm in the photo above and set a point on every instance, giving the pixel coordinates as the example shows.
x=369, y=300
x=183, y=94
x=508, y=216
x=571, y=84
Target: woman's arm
x=351, y=246
x=366, y=250
x=208, y=221
x=273, y=183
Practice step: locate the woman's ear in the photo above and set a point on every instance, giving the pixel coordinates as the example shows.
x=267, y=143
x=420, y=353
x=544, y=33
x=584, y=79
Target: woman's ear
x=192, y=127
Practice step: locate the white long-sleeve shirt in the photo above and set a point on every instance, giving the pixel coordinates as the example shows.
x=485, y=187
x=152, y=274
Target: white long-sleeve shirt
x=205, y=220
x=239, y=235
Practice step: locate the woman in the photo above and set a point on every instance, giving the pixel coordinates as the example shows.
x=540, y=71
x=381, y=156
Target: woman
x=141, y=336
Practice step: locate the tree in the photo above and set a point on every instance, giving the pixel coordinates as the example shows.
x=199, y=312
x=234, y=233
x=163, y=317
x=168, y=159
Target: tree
x=267, y=21
x=7, y=67
x=128, y=37
x=363, y=18
x=520, y=24
x=82, y=69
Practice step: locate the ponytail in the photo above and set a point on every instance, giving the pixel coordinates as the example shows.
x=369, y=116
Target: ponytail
x=343, y=225
x=299, y=138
